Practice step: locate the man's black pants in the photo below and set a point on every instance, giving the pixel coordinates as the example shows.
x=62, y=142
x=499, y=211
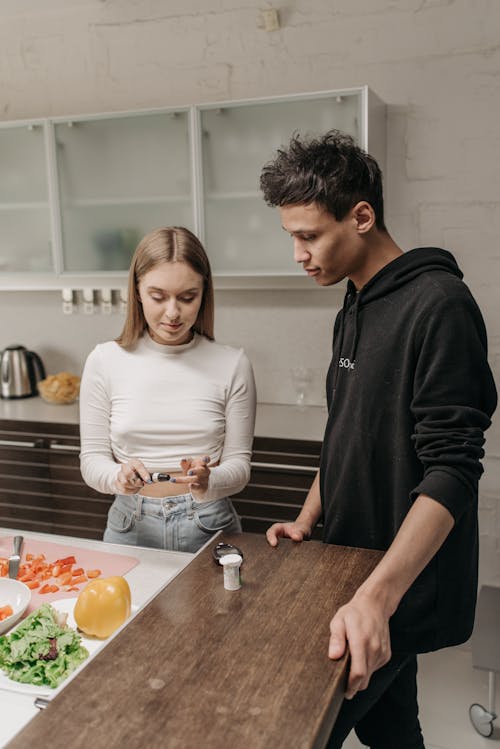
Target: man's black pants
x=385, y=715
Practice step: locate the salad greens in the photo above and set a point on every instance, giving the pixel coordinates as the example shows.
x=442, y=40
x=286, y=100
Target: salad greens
x=40, y=651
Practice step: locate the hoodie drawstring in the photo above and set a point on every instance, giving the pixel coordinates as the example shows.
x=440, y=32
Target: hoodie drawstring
x=352, y=356
x=341, y=340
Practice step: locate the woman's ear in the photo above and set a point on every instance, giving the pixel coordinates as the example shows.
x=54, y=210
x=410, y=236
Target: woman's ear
x=364, y=216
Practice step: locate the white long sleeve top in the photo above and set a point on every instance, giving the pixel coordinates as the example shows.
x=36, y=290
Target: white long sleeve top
x=160, y=403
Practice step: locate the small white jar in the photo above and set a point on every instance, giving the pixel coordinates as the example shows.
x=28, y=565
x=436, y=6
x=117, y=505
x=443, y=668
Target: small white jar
x=231, y=564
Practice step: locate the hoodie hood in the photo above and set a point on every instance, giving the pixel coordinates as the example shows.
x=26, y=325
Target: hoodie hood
x=404, y=269
x=391, y=277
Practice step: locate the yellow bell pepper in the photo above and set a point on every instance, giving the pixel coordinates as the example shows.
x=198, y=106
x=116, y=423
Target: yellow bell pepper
x=102, y=606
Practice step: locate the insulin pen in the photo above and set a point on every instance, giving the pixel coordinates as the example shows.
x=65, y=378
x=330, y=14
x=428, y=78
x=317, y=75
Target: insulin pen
x=160, y=476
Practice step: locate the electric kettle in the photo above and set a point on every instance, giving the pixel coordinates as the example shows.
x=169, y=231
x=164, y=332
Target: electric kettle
x=20, y=371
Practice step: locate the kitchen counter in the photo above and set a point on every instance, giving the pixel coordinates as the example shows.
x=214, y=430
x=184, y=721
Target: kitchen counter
x=273, y=420
x=155, y=569
x=204, y=666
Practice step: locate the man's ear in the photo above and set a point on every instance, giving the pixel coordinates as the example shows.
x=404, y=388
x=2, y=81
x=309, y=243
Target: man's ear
x=364, y=216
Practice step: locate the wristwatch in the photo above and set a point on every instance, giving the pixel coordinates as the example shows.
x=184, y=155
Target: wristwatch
x=221, y=550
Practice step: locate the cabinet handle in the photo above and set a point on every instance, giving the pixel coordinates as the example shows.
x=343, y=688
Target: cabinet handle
x=285, y=467
x=67, y=448
x=18, y=443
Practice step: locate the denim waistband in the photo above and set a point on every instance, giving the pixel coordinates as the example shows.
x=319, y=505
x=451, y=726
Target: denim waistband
x=159, y=506
x=176, y=499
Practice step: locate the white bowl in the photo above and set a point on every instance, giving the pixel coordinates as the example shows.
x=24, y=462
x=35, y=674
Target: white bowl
x=18, y=595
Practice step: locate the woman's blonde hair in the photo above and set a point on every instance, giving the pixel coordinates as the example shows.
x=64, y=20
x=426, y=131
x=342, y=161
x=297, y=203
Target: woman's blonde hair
x=170, y=244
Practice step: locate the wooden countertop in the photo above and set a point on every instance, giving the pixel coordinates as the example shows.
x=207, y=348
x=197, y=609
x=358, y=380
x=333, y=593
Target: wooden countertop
x=279, y=420
x=201, y=666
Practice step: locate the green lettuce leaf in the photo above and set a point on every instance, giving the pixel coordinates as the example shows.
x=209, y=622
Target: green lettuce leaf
x=41, y=652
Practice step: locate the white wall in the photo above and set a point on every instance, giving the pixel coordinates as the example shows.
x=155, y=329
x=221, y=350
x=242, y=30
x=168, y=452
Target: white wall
x=436, y=63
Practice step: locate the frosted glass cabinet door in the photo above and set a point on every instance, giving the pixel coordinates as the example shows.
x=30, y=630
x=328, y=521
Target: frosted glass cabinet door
x=119, y=178
x=242, y=234
x=25, y=232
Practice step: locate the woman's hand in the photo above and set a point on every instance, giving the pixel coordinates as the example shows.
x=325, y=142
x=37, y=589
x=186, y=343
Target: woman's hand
x=131, y=477
x=195, y=474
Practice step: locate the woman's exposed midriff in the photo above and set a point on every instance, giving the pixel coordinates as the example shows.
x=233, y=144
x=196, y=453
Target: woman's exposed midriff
x=164, y=488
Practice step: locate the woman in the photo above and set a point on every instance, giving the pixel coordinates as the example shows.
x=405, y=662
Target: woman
x=166, y=398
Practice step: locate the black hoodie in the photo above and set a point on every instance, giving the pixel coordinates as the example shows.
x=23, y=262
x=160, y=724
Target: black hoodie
x=410, y=394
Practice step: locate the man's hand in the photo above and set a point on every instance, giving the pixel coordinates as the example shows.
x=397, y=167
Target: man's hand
x=364, y=626
x=296, y=531
x=303, y=525
x=363, y=623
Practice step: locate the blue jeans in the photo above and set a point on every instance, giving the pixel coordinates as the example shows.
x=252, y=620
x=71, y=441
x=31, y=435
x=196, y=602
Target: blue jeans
x=177, y=523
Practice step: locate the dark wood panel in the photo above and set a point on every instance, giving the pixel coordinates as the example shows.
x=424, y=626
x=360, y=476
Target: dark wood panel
x=14, y=456
x=41, y=487
x=291, y=459
x=75, y=486
x=65, y=459
x=40, y=428
x=259, y=507
x=29, y=524
x=285, y=446
x=86, y=505
x=273, y=494
x=47, y=478
x=25, y=449
x=18, y=471
x=262, y=445
x=28, y=484
x=48, y=486
x=281, y=478
x=23, y=455
x=55, y=518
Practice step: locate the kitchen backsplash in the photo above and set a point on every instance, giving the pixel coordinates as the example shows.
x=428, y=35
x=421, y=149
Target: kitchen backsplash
x=279, y=332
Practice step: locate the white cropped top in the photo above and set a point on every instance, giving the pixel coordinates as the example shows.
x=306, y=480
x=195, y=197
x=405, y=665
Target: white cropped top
x=162, y=403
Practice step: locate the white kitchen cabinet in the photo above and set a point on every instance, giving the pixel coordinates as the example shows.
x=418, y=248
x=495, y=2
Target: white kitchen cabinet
x=119, y=177
x=80, y=194
x=242, y=233
x=25, y=228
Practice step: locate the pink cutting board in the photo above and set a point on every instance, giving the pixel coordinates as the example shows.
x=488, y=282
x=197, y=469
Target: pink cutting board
x=89, y=559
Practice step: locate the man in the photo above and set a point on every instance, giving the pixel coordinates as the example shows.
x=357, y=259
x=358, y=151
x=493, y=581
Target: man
x=409, y=394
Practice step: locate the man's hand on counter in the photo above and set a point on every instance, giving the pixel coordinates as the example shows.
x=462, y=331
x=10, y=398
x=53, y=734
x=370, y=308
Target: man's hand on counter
x=302, y=527
x=363, y=624
x=295, y=531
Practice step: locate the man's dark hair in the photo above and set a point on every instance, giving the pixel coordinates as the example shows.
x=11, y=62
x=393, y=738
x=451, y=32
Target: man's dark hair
x=330, y=170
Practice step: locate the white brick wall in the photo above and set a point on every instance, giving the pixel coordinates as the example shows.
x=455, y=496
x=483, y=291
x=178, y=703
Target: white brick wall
x=436, y=63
